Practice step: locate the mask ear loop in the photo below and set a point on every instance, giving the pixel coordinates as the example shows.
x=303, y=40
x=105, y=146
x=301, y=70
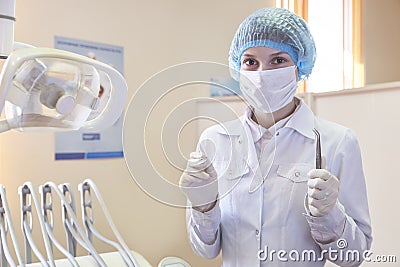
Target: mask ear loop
x=296, y=69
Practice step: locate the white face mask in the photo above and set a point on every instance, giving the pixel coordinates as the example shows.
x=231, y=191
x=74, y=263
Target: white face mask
x=269, y=90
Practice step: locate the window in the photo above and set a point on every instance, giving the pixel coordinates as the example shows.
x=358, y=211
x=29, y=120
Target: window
x=337, y=29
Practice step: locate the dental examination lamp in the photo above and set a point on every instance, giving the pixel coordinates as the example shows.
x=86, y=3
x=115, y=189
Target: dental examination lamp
x=45, y=88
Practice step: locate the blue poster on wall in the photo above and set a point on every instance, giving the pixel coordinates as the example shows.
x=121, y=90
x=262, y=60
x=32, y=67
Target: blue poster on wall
x=91, y=145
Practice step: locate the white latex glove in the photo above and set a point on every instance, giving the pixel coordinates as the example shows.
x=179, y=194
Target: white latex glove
x=323, y=192
x=199, y=181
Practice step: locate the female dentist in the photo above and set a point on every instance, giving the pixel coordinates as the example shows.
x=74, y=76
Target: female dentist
x=253, y=189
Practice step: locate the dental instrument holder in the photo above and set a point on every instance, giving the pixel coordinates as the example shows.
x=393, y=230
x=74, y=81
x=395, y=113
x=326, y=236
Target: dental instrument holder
x=47, y=209
x=71, y=241
x=3, y=232
x=44, y=209
x=87, y=205
x=26, y=210
x=27, y=190
x=76, y=231
x=88, y=222
x=7, y=226
x=318, y=156
x=121, y=246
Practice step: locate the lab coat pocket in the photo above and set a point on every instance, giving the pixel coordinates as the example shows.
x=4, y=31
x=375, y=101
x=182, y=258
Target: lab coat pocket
x=292, y=181
x=294, y=172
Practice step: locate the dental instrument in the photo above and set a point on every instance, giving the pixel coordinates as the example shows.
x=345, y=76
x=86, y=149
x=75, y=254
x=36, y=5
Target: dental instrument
x=318, y=156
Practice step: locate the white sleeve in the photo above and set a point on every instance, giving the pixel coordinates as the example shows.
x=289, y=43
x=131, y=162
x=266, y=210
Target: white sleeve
x=349, y=222
x=204, y=231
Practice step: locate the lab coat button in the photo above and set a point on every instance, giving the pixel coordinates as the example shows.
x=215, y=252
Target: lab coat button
x=240, y=141
x=277, y=134
x=257, y=232
x=297, y=174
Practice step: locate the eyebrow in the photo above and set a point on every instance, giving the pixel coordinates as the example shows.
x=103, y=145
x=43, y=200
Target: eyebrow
x=279, y=53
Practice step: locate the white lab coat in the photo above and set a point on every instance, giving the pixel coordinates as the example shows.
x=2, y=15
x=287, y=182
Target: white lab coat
x=254, y=218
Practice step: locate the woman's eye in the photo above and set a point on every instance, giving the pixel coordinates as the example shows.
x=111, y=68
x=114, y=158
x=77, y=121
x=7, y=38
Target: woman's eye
x=279, y=60
x=250, y=62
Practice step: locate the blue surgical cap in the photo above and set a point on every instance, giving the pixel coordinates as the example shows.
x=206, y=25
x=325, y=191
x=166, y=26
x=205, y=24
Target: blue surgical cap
x=276, y=28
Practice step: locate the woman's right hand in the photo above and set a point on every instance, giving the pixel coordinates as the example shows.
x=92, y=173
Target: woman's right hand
x=199, y=182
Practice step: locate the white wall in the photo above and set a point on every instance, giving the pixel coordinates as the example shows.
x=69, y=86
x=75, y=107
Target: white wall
x=382, y=40
x=155, y=35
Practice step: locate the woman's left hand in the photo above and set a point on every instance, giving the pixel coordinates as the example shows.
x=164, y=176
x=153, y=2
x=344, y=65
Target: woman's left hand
x=323, y=192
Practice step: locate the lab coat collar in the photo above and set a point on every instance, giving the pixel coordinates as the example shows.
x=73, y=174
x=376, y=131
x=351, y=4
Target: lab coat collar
x=256, y=130
x=302, y=120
